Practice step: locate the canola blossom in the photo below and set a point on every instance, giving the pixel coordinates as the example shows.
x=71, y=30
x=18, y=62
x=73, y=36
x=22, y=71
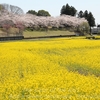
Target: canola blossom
x=51, y=69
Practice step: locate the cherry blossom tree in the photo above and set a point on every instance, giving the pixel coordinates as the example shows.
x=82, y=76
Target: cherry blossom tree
x=38, y=22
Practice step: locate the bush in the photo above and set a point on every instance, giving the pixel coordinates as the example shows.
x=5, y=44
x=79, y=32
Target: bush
x=90, y=37
x=83, y=28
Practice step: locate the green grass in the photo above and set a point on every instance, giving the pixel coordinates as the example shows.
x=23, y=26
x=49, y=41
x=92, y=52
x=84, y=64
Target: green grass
x=44, y=33
x=97, y=36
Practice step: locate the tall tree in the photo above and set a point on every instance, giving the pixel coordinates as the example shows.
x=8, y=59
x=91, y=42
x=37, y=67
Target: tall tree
x=91, y=19
x=85, y=15
x=73, y=11
x=63, y=10
x=80, y=14
x=68, y=10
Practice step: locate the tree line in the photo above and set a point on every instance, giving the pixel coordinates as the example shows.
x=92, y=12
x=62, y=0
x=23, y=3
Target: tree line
x=70, y=10
x=65, y=10
x=13, y=14
x=88, y=16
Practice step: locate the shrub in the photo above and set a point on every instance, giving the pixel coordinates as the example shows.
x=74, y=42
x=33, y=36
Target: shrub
x=83, y=28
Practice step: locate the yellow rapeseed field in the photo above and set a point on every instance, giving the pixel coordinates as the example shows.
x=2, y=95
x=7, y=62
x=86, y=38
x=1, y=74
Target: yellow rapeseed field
x=51, y=69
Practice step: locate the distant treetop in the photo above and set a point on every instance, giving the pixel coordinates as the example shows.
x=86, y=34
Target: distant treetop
x=39, y=13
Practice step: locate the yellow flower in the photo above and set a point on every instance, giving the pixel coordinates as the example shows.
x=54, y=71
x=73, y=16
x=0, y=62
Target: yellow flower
x=50, y=70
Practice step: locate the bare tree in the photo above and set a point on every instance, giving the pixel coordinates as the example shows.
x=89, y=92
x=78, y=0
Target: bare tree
x=12, y=9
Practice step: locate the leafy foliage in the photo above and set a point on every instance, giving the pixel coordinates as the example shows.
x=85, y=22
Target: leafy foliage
x=43, y=13
x=32, y=12
x=83, y=29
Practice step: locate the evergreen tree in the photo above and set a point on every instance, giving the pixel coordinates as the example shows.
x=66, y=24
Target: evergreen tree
x=91, y=19
x=68, y=10
x=63, y=10
x=80, y=14
x=85, y=15
x=73, y=11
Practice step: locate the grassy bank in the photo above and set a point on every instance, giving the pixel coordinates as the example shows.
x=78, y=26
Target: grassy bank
x=44, y=33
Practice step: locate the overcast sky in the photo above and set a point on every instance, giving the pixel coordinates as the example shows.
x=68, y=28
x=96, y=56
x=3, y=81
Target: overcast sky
x=54, y=6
